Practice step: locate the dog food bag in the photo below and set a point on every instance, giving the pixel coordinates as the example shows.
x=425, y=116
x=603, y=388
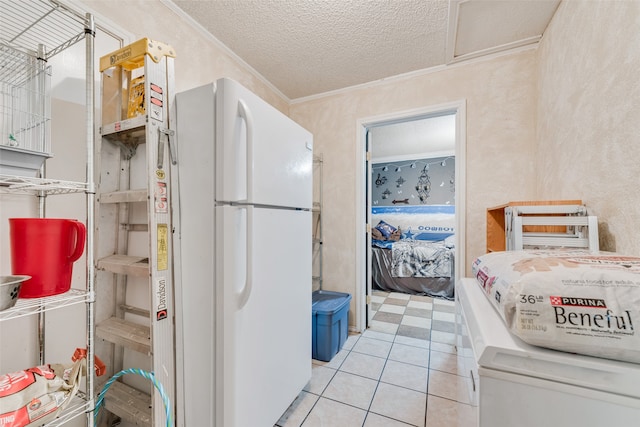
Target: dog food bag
x=568, y=300
x=37, y=395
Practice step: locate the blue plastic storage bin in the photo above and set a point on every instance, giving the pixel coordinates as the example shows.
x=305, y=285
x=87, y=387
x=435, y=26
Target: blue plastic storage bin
x=330, y=311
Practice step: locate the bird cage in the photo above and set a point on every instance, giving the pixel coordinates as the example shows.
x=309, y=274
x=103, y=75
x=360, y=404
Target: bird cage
x=25, y=111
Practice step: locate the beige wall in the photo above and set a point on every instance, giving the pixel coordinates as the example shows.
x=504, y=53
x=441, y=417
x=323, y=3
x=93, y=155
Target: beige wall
x=199, y=60
x=500, y=135
x=588, y=129
x=530, y=117
x=500, y=123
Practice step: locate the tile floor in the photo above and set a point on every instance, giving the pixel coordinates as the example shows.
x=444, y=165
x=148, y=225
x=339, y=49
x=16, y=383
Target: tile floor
x=402, y=371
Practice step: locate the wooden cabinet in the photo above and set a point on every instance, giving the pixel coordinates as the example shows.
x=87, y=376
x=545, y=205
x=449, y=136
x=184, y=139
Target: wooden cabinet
x=496, y=239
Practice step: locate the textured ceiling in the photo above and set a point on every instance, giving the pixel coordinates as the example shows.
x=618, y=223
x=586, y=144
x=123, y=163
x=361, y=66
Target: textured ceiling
x=307, y=47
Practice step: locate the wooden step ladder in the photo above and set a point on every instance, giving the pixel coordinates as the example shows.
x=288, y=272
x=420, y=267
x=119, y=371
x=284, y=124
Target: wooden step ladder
x=134, y=231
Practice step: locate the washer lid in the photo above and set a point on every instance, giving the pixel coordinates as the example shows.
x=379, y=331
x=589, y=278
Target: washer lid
x=496, y=348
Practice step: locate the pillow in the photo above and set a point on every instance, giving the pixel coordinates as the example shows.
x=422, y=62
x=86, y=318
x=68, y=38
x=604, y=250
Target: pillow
x=385, y=228
x=376, y=234
x=396, y=235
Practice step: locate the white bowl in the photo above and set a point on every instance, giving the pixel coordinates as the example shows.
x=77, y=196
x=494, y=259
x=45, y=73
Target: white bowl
x=9, y=288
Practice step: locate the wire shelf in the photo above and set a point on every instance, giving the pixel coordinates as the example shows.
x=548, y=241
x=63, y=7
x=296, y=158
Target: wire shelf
x=77, y=407
x=27, y=185
x=29, y=306
x=32, y=32
x=28, y=23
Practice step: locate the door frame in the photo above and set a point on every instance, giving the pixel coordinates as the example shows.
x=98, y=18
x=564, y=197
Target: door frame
x=363, y=193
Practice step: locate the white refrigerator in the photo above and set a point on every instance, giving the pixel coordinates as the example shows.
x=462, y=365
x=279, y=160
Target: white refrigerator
x=243, y=324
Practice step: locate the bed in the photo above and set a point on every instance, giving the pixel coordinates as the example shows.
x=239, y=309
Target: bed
x=413, y=249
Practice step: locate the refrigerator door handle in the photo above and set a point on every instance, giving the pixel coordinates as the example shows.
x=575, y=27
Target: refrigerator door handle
x=245, y=113
x=243, y=295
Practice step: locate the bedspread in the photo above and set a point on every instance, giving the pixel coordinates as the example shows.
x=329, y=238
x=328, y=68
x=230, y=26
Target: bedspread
x=415, y=258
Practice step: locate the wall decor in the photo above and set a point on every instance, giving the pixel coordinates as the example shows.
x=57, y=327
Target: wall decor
x=403, y=201
x=423, y=187
x=428, y=178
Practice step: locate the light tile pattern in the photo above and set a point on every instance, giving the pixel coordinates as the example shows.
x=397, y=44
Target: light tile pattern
x=402, y=371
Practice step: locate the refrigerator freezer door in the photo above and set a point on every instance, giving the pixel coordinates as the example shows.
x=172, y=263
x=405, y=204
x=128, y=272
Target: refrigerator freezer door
x=263, y=157
x=263, y=313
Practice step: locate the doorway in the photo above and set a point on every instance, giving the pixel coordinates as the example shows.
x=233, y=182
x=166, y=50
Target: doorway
x=377, y=127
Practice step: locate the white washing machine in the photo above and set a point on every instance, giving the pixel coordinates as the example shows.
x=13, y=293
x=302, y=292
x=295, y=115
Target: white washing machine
x=514, y=384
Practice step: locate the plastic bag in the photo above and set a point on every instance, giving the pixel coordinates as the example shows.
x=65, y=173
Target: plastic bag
x=37, y=395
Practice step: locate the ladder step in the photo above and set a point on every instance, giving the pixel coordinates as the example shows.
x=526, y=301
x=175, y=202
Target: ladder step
x=135, y=310
x=136, y=227
x=131, y=405
x=128, y=334
x=126, y=196
x=125, y=264
x=128, y=132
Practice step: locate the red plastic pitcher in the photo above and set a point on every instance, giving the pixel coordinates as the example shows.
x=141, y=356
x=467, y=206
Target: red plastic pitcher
x=45, y=249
